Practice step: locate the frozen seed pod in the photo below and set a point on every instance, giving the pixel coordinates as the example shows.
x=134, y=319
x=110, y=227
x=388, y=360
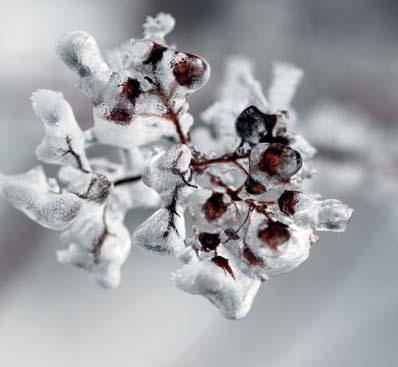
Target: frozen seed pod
x=88, y=186
x=169, y=170
x=224, y=285
x=63, y=142
x=190, y=71
x=99, y=243
x=35, y=196
x=168, y=174
x=140, y=96
x=333, y=216
x=251, y=125
x=320, y=215
x=215, y=210
x=274, y=247
x=162, y=233
x=80, y=52
x=254, y=127
x=272, y=164
x=209, y=241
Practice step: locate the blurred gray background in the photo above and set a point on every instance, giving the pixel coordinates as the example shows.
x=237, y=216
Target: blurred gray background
x=337, y=309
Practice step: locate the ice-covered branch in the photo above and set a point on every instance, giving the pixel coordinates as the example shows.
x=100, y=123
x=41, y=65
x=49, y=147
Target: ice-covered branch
x=240, y=176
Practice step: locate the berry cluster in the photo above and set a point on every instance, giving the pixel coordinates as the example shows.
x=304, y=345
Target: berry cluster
x=241, y=174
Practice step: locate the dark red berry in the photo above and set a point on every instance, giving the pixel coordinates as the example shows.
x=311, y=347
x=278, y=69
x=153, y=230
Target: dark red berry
x=131, y=89
x=120, y=116
x=280, y=161
x=274, y=235
x=189, y=70
x=253, y=187
x=250, y=125
x=287, y=202
x=214, y=207
x=209, y=241
x=155, y=55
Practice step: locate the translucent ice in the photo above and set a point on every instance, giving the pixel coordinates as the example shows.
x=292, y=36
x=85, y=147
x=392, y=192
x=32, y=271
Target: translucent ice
x=63, y=142
x=168, y=174
x=272, y=164
x=99, y=243
x=279, y=248
x=163, y=232
x=140, y=94
x=308, y=212
x=233, y=295
x=34, y=195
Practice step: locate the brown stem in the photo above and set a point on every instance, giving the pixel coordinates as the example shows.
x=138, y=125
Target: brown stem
x=97, y=245
x=231, y=158
x=233, y=194
x=249, y=211
x=127, y=180
x=75, y=155
x=170, y=115
x=173, y=117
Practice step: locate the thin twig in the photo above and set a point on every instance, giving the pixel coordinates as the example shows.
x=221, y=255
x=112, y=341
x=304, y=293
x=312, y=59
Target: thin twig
x=127, y=180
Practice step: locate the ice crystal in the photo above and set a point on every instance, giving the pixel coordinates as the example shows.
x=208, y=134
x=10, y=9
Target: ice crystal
x=241, y=175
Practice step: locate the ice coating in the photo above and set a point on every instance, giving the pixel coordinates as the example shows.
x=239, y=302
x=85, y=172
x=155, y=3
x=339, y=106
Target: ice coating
x=122, y=197
x=243, y=180
x=308, y=212
x=88, y=186
x=162, y=233
x=233, y=295
x=141, y=96
x=333, y=216
x=251, y=125
x=277, y=247
x=99, y=243
x=215, y=210
x=80, y=52
x=63, y=142
x=31, y=193
x=272, y=164
x=168, y=174
x=168, y=167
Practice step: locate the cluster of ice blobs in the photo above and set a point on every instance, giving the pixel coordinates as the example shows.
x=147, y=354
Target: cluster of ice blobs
x=139, y=86
x=271, y=229
x=247, y=229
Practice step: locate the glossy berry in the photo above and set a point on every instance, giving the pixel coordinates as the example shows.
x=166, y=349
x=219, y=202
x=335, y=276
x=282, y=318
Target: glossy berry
x=250, y=125
x=254, y=187
x=214, y=207
x=209, y=241
x=189, y=70
x=287, y=202
x=280, y=161
x=274, y=235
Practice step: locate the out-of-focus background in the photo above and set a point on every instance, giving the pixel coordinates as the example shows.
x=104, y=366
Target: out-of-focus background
x=338, y=309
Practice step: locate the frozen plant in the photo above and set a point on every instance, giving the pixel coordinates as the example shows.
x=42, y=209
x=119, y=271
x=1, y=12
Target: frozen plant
x=240, y=175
